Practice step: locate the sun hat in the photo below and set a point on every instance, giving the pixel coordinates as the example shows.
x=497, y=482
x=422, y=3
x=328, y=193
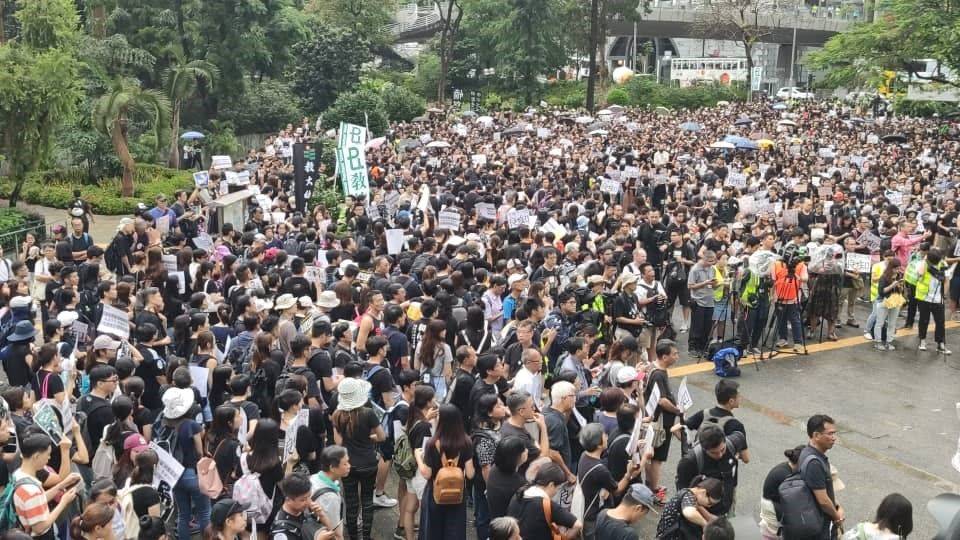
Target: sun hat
x=328, y=300
x=353, y=394
x=285, y=301
x=594, y=279
x=105, y=342
x=67, y=318
x=135, y=441
x=627, y=278
x=177, y=402
x=263, y=304
x=515, y=278
x=305, y=302
x=24, y=331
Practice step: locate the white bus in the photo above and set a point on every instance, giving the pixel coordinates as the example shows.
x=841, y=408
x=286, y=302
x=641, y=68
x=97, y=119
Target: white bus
x=690, y=71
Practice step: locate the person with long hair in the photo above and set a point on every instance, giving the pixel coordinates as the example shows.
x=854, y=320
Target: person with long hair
x=179, y=411
x=94, y=523
x=419, y=424
x=485, y=436
x=685, y=514
x=894, y=521
x=204, y=356
x=433, y=357
x=222, y=444
x=139, y=485
x=264, y=459
x=228, y=521
x=357, y=428
x=476, y=332
x=534, y=508
x=448, y=444
x=890, y=283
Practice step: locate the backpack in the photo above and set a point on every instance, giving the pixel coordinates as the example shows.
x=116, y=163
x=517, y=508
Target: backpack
x=709, y=419
x=249, y=492
x=239, y=357
x=577, y=506
x=725, y=362
x=208, y=476
x=260, y=389
x=448, y=484
x=404, y=461
x=802, y=517
x=697, y=451
x=281, y=383
x=167, y=438
x=886, y=243
x=676, y=275
x=8, y=509
x=131, y=521
x=104, y=459
x=380, y=411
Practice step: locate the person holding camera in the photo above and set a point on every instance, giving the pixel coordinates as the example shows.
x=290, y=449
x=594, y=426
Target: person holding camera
x=679, y=257
x=652, y=298
x=627, y=315
x=789, y=275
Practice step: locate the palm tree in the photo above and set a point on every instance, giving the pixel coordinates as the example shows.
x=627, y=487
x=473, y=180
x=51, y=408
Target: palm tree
x=180, y=82
x=112, y=112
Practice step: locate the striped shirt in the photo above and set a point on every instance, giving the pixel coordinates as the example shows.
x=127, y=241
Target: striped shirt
x=30, y=501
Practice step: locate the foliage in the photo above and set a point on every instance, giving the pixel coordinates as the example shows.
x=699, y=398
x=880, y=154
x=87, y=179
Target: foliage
x=529, y=44
x=644, y=91
x=55, y=188
x=330, y=195
x=492, y=101
x=222, y=141
x=400, y=104
x=618, y=96
x=352, y=106
x=265, y=105
x=327, y=65
x=367, y=18
x=906, y=107
x=566, y=94
x=12, y=219
x=427, y=75
x=39, y=84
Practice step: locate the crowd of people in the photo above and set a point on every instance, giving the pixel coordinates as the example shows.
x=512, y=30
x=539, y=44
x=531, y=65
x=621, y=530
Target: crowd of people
x=269, y=377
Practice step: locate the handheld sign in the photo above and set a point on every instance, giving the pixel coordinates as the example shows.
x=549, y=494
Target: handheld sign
x=858, y=262
x=394, y=241
x=201, y=178
x=449, y=220
x=486, y=210
x=610, y=186
x=684, y=399
x=518, y=218
x=221, y=162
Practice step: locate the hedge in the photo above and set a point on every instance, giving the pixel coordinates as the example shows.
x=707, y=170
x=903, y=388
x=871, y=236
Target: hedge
x=54, y=188
x=12, y=219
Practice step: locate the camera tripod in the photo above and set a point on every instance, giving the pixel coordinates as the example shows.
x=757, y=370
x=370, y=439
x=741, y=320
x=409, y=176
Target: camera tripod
x=834, y=292
x=779, y=310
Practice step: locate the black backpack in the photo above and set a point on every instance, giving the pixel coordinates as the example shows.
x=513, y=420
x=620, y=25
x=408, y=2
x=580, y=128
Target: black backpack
x=167, y=437
x=802, y=518
x=260, y=393
x=281, y=383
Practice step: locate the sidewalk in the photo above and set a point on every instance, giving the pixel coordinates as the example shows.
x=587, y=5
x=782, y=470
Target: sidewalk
x=102, y=229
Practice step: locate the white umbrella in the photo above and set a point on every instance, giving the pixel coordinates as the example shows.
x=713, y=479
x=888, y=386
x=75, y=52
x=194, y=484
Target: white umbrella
x=723, y=144
x=662, y=110
x=566, y=142
x=616, y=108
x=787, y=123
x=438, y=144
x=583, y=120
x=485, y=119
x=604, y=112
x=598, y=132
x=723, y=103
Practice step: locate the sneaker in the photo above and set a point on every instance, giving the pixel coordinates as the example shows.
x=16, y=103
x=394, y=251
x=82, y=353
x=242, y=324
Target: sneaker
x=942, y=349
x=399, y=534
x=383, y=500
x=923, y=345
x=780, y=343
x=852, y=323
x=797, y=349
x=868, y=336
x=879, y=346
x=755, y=351
x=683, y=328
x=889, y=347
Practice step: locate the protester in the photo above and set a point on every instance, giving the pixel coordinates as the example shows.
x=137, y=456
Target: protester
x=685, y=514
x=894, y=520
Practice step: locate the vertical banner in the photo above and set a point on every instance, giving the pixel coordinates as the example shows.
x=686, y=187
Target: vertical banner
x=306, y=166
x=352, y=160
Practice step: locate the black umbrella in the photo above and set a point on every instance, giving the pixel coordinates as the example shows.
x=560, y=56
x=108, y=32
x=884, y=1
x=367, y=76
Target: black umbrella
x=515, y=130
x=597, y=125
x=743, y=122
x=894, y=138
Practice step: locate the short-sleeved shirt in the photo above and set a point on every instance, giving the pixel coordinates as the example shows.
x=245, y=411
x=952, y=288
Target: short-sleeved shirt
x=724, y=469
x=609, y=528
x=149, y=369
x=30, y=502
x=508, y=430
x=186, y=430
x=559, y=435
x=431, y=457
x=816, y=474
x=501, y=488
x=362, y=450
x=321, y=364
x=703, y=296
x=48, y=379
x=660, y=379
x=594, y=476
x=673, y=515
x=533, y=523
x=381, y=383
x=617, y=457
x=771, y=484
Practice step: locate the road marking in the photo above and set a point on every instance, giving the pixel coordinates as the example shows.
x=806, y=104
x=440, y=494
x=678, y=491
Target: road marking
x=704, y=366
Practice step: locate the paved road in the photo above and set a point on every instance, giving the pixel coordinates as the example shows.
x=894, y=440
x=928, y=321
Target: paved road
x=103, y=229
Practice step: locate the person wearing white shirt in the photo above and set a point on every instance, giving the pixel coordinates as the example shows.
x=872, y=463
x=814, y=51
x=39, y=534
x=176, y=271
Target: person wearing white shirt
x=661, y=157
x=529, y=378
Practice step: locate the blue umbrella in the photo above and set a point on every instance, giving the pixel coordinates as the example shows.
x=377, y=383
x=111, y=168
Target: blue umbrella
x=190, y=135
x=742, y=143
x=779, y=106
x=743, y=122
x=691, y=126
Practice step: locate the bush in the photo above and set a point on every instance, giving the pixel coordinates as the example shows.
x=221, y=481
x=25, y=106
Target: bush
x=400, y=104
x=55, y=188
x=492, y=101
x=350, y=107
x=222, y=141
x=268, y=103
x=644, y=91
x=923, y=109
x=12, y=219
x=566, y=94
x=618, y=96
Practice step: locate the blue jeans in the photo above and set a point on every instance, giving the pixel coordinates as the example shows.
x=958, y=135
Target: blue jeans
x=190, y=500
x=481, y=510
x=791, y=313
x=886, y=316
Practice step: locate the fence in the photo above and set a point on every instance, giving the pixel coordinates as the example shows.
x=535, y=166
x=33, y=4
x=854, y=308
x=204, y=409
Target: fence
x=11, y=241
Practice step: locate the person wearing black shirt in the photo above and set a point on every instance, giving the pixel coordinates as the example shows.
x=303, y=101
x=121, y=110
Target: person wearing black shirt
x=728, y=207
x=491, y=377
x=297, y=284
x=617, y=523
x=321, y=363
x=594, y=476
x=300, y=517
x=717, y=458
x=522, y=412
x=152, y=369
x=463, y=379
x=728, y=398
x=531, y=508
x=770, y=509
x=96, y=404
x=626, y=311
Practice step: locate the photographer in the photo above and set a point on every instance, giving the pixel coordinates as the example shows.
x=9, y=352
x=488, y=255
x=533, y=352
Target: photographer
x=679, y=257
x=789, y=275
x=929, y=295
x=627, y=315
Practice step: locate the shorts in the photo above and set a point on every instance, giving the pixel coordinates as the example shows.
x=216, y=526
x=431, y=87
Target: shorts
x=417, y=485
x=661, y=452
x=678, y=291
x=386, y=449
x=721, y=311
x=647, y=337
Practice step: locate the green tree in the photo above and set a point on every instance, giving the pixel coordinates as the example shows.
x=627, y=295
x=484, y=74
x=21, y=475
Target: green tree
x=111, y=116
x=327, y=65
x=362, y=106
x=451, y=14
x=180, y=81
x=906, y=30
x=529, y=43
x=39, y=84
x=400, y=104
x=366, y=18
x=266, y=104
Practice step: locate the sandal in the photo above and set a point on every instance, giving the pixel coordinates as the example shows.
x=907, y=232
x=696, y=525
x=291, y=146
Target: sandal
x=833, y=337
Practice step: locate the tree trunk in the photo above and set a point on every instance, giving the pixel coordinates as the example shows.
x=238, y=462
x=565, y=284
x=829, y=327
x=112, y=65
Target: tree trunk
x=592, y=74
x=3, y=24
x=99, y=29
x=444, y=65
x=603, y=70
x=748, y=49
x=118, y=136
x=174, y=158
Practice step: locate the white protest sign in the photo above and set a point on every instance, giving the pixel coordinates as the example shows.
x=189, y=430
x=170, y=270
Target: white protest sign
x=653, y=401
x=203, y=241
x=231, y=177
x=648, y=437
x=895, y=197
x=168, y=469
x=552, y=226
x=373, y=212
x=869, y=241
x=762, y=207
x=519, y=218
x=635, y=437
x=200, y=375
x=631, y=172
x=486, y=211
x=858, y=262
x=221, y=162
x=243, y=178
x=449, y=220
x=394, y=241
x=737, y=180
x=181, y=281
x=684, y=399
x=80, y=331
x=609, y=185
x=747, y=204
x=115, y=322
x=479, y=159
x=791, y=218
x=543, y=133
x=278, y=217
x=163, y=225
x=290, y=441
x=391, y=199
x=201, y=178
x=169, y=262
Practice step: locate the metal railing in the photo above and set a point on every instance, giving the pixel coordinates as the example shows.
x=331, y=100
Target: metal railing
x=11, y=241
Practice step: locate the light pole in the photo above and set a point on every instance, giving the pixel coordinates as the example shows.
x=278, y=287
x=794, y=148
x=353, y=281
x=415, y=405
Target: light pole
x=793, y=55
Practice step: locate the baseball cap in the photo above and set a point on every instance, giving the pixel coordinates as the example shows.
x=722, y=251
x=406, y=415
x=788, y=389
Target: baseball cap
x=105, y=342
x=641, y=494
x=627, y=374
x=515, y=278
x=630, y=343
x=223, y=509
x=135, y=441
